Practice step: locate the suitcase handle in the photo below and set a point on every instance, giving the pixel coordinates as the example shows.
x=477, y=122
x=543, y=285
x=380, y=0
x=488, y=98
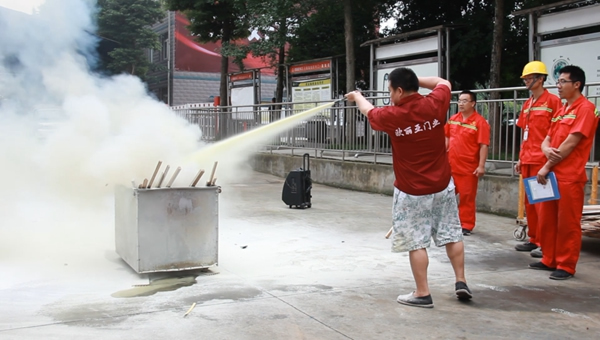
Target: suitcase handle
x=306, y=161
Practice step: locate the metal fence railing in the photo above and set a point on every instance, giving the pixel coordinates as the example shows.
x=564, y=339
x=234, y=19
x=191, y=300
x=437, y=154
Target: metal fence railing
x=342, y=131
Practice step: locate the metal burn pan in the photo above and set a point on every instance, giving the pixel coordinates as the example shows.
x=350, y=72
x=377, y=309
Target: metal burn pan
x=167, y=229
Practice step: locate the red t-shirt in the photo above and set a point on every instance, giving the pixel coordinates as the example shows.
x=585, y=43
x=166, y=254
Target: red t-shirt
x=535, y=118
x=580, y=117
x=416, y=130
x=464, y=139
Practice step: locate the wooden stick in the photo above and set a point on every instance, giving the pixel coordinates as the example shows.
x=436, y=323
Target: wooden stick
x=162, y=177
x=594, y=185
x=212, y=175
x=174, y=175
x=389, y=233
x=197, y=178
x=521, y=206
x=189, y=310
x=214, y=181
x=154, y=174
x=145, y=183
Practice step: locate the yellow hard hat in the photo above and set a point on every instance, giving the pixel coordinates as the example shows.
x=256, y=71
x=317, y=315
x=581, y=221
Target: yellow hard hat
x=534, y=67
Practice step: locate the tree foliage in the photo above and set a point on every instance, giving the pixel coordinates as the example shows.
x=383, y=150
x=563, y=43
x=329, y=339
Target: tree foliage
x=277, y=22
x=471, y=38
x=323, y=35
x=128, y=22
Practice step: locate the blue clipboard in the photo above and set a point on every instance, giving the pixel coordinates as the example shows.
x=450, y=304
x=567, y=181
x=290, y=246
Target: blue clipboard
x=537, y=193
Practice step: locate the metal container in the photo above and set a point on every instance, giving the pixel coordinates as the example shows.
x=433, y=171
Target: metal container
x=167, y=229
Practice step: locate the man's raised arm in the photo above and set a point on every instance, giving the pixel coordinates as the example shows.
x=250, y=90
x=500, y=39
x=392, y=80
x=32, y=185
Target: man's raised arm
x=432, y=82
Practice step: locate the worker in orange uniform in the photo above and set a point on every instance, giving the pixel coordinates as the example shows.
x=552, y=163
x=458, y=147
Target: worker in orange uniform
x=467, y=141
x=534, y=120
x=567, y=149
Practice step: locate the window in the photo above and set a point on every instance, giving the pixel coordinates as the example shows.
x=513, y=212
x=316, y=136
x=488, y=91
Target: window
x=150, y=55
x=165, y=47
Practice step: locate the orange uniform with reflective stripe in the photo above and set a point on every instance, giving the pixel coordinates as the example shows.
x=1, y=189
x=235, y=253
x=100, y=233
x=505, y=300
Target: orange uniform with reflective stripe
x=465, y=137
x=535, y=119
x=560, y=220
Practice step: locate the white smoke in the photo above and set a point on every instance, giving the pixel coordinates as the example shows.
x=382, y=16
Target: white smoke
x=67, y=136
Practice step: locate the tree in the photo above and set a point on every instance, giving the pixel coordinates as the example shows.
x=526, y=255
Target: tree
x=277, y=22
x=325, y=34
x=212, y=21
x=349, y=40
x=495, y=67
x=128, y=24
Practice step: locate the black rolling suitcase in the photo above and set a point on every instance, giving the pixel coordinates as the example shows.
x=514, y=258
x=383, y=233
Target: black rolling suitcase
x=296, y=189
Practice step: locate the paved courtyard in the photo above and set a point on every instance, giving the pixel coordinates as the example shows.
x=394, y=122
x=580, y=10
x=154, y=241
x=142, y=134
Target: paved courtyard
x=320, y=273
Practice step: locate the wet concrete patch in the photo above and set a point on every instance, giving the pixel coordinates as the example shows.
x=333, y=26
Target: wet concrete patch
x=225, y=294
x=541, y=299
x=163, y=282
x=300, y=288
x=91, y=314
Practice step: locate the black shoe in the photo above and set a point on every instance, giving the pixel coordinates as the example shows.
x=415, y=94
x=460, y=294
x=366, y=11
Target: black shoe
x=416, y=301
x=462, y=291
x=527, y=246
x=560, y=274
x=537, y=253
x=466, y=232
x=540, y=266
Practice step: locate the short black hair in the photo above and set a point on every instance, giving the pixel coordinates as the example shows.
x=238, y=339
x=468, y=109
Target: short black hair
x=404, y=78
x=576, y=74
x=471, y=94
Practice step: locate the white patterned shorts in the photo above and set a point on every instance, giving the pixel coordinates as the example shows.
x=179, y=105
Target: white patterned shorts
x=417, y=219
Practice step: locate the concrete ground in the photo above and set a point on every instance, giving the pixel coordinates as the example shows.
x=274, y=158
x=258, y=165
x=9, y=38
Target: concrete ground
x=321, y=273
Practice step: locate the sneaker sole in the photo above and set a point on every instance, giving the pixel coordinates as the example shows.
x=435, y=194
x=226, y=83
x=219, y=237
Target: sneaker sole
x=430, y=305
x=547, y=269
x=525, y=249
x=560, y=278
x=463, y=294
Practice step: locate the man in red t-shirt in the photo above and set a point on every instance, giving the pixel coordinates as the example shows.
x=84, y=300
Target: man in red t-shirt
x=567, y=148
x=424, y=204
x=467, y=141
x=534, y=120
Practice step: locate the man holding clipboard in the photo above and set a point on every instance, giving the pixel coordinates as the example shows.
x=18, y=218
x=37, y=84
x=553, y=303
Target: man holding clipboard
x=534, y=120
x=567, y=149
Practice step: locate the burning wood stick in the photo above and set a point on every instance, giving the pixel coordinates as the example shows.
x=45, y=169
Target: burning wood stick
x=162, y=177
x=154, y=174
x=174, y=176
x=389, y=233
x=144, y=183
x=212, y=175
x=197, y=178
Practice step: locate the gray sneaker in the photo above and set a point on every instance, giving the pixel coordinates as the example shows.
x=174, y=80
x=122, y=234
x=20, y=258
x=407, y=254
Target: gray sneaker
x=417, y=301
x=537, y=253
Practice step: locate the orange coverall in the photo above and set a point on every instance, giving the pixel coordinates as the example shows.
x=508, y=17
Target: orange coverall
x=560, y=220
x=535, y=120
x=464, y=140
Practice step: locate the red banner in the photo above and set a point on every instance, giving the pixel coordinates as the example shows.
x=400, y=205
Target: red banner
x=191, y=55
x=241, y=76
x=317, y=66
